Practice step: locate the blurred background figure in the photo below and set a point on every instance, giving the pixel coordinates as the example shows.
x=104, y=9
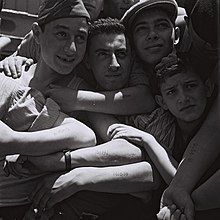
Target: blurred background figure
x=116, y=8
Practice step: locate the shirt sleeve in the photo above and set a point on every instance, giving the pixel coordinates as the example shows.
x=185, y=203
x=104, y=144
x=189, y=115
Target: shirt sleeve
x=28, y=110
x=138, y=75
x=159, y=123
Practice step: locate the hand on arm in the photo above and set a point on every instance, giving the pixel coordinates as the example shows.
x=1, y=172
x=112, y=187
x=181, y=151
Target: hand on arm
x=127, y=101
x=12, y=66
x=176, y=204
x=164, y=162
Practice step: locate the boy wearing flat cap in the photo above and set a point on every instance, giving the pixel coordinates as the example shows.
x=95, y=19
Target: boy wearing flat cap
x=151, y=24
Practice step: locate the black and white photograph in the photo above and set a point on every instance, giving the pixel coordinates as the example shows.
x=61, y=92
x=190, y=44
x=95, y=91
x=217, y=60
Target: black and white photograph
x=109, y=110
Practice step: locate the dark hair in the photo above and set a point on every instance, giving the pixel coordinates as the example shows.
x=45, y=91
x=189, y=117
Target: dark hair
x=105, y=26
x=1, y=4
x=181, y=65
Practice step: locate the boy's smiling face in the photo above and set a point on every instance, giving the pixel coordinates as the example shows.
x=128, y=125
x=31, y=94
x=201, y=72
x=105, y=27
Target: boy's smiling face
x=63, y=43
x=185, y=96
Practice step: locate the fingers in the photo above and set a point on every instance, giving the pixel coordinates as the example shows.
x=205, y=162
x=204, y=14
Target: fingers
x=189, y=211
x=28, y=63
x=12, y=66
x=176, y=215
x=114, y=129
x=166, y=212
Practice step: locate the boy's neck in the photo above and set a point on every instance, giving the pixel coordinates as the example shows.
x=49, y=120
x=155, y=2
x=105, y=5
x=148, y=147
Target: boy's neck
x=188, y=128
x=43, y=76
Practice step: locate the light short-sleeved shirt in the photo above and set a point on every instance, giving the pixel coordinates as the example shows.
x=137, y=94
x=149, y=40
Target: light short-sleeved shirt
x=23, y=109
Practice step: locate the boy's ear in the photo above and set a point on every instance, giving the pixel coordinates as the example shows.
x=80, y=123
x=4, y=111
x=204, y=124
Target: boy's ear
x=177, y=35
x=209, y=85
x=160, y=101
x=36, y=31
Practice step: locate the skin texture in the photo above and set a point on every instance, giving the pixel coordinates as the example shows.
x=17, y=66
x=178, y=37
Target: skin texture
x=62, y=44
x=110, y=58
x=153, y=36
x=185, y=96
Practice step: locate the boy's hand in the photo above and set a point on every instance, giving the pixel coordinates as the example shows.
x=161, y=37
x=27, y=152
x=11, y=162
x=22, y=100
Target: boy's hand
x=127, y=132
x=12, y=66
x=182, y=201
x=14, y=165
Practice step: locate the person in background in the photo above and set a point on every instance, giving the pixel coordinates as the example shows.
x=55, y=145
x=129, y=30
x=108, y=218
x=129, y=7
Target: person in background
x=116, y=8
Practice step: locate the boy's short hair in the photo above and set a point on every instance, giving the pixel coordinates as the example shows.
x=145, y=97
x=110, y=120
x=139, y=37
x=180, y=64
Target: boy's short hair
x=50, y=10
x=173, y=66
x=105, y=26
x=169, y=6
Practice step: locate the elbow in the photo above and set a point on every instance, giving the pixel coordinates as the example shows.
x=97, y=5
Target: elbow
x=152, y=177
x=89, y=138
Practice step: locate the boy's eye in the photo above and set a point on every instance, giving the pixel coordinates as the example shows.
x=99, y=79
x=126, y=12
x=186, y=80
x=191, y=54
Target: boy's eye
x=121, y=54
x=162, y=25
x=170, y=92
x=102, y=54
x=61, y=34
x=80, y=38
x=191, y=85
x=141, y=29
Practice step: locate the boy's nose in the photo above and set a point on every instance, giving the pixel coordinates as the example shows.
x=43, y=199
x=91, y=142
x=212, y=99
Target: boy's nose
x=114, y=65
x=70, y=48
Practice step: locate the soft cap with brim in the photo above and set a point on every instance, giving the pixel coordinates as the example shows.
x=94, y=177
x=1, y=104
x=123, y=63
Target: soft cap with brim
x=50, y=10
x=170, y=6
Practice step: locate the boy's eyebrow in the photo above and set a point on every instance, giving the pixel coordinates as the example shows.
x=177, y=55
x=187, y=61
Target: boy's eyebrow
x=169, y=88
x=101, y=50
x=61, y=26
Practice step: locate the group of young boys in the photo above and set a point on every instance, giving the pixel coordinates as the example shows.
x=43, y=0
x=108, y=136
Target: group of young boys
x=146, y=105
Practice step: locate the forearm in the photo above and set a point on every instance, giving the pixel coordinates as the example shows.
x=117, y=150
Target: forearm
x=127, y=101
x=206, y=196
x=120, y=179
x=200, y=153
x=165, y=163
x=66, y=136
x=112, y=153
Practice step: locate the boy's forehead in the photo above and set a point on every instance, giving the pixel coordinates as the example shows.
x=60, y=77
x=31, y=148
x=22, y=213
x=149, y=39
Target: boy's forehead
x=110, y=40
x=77, y=24
x=180, y=78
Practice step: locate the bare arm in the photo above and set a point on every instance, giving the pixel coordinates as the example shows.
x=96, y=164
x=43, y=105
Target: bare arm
x=202, y=150
x=131, y=178
x=206, y=196
x=70, y=134
x=164, y=162
x=127, y=101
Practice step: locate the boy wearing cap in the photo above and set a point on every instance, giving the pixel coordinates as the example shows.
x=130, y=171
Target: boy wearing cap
x=107, y=42
x=152, y=30
x=30, y=49
x=31, y=125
